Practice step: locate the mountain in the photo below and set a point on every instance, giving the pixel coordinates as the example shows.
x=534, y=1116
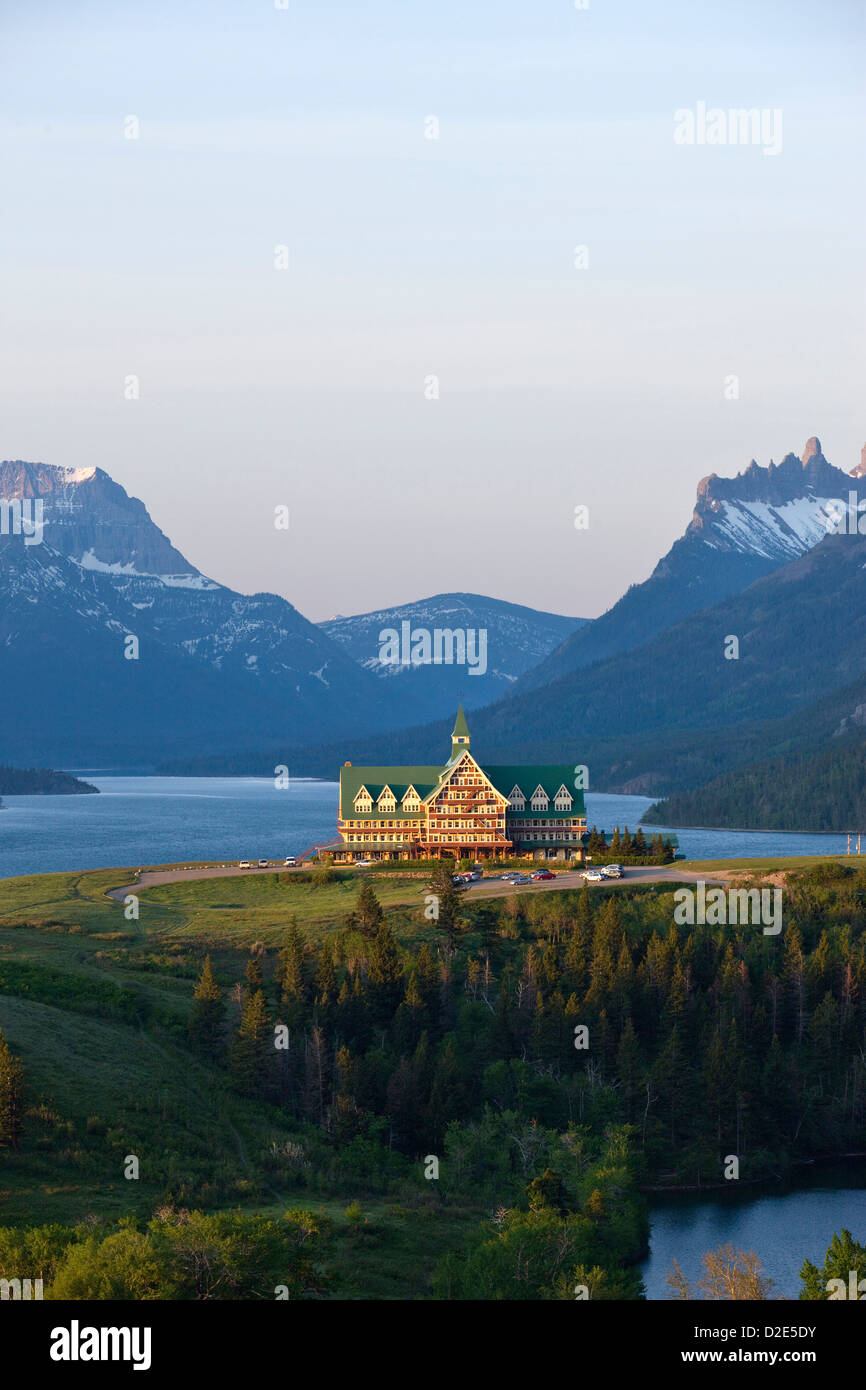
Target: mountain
x=216, y=670
x=675, y=712
x=742, y=528
x=644, y=719
x=515, y=639
x=670, y=711
x=215, y=667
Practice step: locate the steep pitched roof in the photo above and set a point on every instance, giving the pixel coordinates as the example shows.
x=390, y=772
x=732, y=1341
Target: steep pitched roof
x=528, y=778
x=399, y=779
x=461, y=728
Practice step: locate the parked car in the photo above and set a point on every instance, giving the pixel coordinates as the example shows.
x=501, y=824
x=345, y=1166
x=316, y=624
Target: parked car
x=543, y=874
x=612, y=871
x=244, y=864
x=520, y=878
x=264, y=863
x=592, y=876
x=290, y=861
x=474, y=876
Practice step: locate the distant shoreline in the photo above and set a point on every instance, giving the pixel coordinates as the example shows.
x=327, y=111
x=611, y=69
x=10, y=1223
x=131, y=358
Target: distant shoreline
x=42, y=781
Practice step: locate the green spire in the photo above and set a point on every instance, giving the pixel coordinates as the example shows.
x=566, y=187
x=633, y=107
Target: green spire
x=460, y=735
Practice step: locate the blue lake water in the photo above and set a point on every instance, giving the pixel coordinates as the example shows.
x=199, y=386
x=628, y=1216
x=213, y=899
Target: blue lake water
x=784, y=1224
x=157, y=820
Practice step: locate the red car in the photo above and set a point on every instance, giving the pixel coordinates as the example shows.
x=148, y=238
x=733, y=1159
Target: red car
x=543, y=873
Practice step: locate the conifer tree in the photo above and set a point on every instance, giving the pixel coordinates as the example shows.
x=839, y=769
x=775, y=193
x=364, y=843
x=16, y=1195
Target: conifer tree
x=290, y=973
x=11, y=1096
x=368, y=915
x=845, y=1258
x=326, y=978
x=207, y=1019
x=447, y=893
x=385, y=973
x=252, y=1048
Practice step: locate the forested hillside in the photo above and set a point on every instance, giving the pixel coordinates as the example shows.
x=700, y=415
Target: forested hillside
x=822, y=789
x=262, y=1055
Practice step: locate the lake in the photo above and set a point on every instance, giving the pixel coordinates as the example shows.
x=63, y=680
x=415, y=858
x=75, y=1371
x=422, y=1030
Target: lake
x=784, y=1223
x=157, y=820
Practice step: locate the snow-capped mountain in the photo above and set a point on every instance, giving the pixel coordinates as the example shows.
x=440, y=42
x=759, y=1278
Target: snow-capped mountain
x=216, y=670
x=212, y=665
x=515, y=639
x=742, y=528
x=776, y=513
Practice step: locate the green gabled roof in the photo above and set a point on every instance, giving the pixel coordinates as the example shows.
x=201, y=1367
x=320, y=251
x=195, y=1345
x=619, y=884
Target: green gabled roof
x=527, y=778
x=399, y=779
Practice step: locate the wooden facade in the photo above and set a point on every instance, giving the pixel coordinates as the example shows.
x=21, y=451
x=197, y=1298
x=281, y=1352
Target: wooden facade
x=460, y=810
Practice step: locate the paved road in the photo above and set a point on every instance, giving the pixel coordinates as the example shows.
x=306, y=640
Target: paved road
x=486, y=888
x=149, y=878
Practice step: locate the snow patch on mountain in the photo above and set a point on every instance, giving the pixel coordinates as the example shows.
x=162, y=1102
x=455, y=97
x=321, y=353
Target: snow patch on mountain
x=788, y=530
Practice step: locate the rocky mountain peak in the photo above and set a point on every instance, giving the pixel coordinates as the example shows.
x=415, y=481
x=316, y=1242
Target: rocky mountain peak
x=93, y=520
x=776, y=512
x=812, y=449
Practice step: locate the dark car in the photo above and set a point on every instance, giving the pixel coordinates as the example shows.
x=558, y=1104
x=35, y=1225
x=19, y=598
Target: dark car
x=543, y=873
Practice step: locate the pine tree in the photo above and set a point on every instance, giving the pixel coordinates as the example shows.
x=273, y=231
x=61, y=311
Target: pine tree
x=447, y=893
x=11, y=1096
x=845, y=1256
x=629, y=1067
x=326, y=977
x=255, y=979
x=291, y=976
x=207, y=1019
x=411, y=1017
x=368, y=915
x=252, y=1048
x=385, y=974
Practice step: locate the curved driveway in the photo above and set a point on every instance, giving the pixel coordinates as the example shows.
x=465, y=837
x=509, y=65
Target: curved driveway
x=486, y=888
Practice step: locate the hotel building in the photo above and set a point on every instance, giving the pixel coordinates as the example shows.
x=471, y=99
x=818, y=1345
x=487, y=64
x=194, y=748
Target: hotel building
x=461, y=810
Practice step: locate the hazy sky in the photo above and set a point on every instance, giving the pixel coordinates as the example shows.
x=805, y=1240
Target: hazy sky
x=411, y=257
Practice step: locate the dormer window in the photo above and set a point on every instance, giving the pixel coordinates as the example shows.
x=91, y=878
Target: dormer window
x=387, y=801
x=411, y=800
x=363, y=801
x=540, y=799
x=516, y=799
x=563, y=799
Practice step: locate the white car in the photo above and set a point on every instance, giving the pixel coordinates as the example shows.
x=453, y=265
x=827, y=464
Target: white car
x=264, y=863
x=592, y=876
x=612, y=871
x=244, y=864
x=290, y=861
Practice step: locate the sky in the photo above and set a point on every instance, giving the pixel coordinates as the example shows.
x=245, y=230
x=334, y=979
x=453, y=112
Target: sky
x=337, y=269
